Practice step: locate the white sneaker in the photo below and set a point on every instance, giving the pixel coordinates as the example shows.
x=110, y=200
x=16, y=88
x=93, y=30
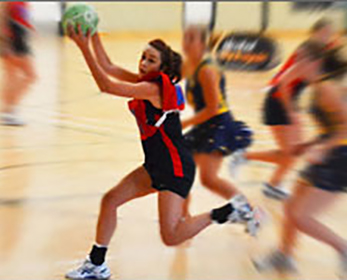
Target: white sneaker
x=276, y=261
x=343, y=267
x=89, y=271
x=11, y=119
x=244, y=214
x=278, y=193
x=237, y=159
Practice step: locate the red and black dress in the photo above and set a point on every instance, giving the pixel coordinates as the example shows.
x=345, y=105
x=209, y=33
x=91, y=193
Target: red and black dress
x=274, y=111
x=167, y=158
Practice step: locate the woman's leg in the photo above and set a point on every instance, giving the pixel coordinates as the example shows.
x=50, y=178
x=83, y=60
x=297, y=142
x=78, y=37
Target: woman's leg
x=10, y=81
x=136, y=184
x=311, y=203
x=289, y=232
x=305, y=203
x=209, y=166
x=174, y=227
x=286, y=138
x=26, y=68
x=19, y=74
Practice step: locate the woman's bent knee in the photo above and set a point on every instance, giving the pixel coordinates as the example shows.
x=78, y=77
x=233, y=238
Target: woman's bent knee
x=109, y=200
x=208, y=181
x=169, y=239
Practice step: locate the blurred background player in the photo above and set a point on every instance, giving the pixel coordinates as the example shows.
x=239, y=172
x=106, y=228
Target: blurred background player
x=281, y=114
x=213, y=128
x=325, y=178
x=19, y=71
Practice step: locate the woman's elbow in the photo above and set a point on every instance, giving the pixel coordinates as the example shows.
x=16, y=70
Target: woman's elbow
x=103, y=87
x=213, y=111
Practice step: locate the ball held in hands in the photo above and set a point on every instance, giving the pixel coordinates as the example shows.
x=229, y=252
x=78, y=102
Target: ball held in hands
x=80, y=15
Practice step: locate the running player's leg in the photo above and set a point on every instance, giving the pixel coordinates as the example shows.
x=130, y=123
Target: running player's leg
x=289, y=232
x=136, y=184
x=10, y=82
x=311, y=203
x=209, y=166
x=26, y=66
x=286, y=139
x=173, y=228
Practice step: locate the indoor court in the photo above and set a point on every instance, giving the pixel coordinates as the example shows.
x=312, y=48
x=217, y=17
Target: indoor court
x=78, y=143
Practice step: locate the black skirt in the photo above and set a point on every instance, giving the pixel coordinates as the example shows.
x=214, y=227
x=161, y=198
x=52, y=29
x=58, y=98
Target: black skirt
x=219, y=134
x=274, y=112
x=330, y=175
x=162, y=165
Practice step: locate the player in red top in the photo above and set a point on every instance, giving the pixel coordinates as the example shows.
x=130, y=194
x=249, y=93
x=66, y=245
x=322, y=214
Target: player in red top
x=280, y=112
x=168, y=169
x=16, y=55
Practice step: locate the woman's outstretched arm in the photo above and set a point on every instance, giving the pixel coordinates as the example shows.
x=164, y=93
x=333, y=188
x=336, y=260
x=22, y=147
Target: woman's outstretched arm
x=106, y=64
x=143, y=90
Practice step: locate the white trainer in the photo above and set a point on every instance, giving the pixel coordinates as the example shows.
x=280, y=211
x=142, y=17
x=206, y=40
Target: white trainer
x=343, y=266
x=245, y=214
x=278, y=193
x=277, y=261
x=11, y=119
x=237, y=159
x=89, y=271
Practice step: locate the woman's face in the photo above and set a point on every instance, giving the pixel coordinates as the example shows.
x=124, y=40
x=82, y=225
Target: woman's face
x=312, y=69
x=150, y=61
x=324, y=34
x=193, y=45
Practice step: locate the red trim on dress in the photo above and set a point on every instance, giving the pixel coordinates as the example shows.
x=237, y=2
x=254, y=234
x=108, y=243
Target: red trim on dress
x=175, y=157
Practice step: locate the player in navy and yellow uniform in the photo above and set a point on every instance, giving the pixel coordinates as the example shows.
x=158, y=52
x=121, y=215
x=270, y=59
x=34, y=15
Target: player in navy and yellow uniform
x=214, y=132
x=219, y=133
x=168, y=167
x=321, y=182
x=16, y=56
x=281, y=114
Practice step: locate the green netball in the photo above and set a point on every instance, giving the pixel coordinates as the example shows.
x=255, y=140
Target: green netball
x=82, y=14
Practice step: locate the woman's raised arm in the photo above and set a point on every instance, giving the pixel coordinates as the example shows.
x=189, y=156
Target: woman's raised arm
x=143, y=90
x=106, y=64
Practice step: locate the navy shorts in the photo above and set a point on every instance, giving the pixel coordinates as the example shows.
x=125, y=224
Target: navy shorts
x=331, y=175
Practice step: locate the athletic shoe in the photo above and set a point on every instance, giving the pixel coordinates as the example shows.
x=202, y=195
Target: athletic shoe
x=278, y=193
x=343, y=266
x=90, y=271
x=11, y=119
x=244, y=214
x=237, y=159
x=276, y=261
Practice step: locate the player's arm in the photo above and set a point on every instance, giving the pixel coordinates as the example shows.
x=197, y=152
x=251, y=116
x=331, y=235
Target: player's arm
x=143, y=90
x=107, y=65
x=209, y=80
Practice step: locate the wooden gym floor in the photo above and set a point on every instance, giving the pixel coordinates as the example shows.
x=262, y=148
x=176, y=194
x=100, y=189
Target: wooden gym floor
x=79, y=143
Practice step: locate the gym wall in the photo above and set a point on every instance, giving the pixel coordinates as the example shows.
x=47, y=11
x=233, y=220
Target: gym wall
x=167, y=16
x=282, y=16
x=139, y=16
